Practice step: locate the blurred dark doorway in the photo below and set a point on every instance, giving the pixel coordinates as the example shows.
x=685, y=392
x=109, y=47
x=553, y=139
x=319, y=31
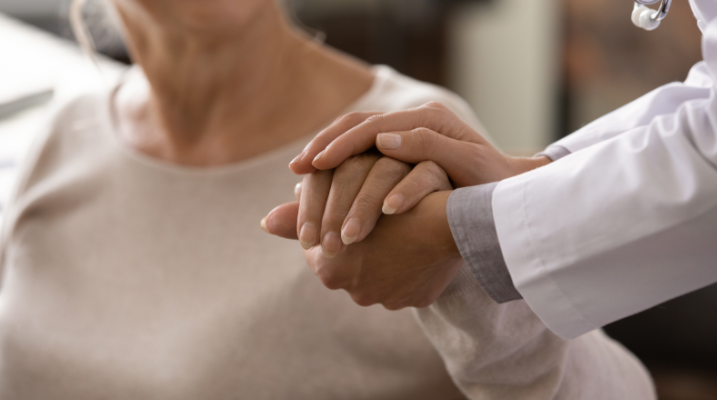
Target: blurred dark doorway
x=408, y=35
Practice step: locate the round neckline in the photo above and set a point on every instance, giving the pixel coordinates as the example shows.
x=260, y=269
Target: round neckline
x=109, y=120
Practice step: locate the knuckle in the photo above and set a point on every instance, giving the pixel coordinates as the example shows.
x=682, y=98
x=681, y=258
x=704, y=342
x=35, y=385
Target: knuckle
x=431, y=166
x=351, y=119
x=364, y=203
x=391, y=167
x=415, y=183
x=439, y=112
x=425, y=139
x=435, y=171
x=363, y=299
x=318, y=178
x=392, y=306
x=329, y=280
x=349, y=166
x=436, y=105
x=374, y=119
x=357, y=163
x=423, y=132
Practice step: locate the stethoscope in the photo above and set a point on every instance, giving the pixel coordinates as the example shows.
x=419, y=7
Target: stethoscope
x=647, y=18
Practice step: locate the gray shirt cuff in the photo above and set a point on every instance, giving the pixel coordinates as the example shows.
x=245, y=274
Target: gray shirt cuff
x=554, y=152
x=470, y=216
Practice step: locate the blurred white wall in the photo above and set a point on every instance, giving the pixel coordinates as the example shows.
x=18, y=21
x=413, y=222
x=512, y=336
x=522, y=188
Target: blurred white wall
x=505, y=60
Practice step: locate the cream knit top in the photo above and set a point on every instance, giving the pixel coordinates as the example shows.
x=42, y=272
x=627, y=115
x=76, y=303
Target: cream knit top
x=126, y=277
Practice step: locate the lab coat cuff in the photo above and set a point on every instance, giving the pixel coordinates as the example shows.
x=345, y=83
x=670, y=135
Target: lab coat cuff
x=554, y=152
x=470, y=216
x=520, y=245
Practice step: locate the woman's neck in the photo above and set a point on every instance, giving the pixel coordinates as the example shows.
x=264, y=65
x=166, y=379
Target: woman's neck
x=215, y=98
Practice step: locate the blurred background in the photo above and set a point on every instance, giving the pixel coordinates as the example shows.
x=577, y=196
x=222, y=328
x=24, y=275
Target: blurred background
x=533, y=71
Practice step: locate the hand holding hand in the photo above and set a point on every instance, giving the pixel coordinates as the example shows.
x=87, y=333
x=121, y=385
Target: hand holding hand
x=430, y=136
x=398, y=265
x=407, y=261
x=430, y=132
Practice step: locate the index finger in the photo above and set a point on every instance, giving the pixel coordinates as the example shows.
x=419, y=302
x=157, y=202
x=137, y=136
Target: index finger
x=362, y=137
x=302, y=163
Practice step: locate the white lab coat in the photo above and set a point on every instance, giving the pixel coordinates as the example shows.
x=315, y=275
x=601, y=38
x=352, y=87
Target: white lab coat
x=629, y=219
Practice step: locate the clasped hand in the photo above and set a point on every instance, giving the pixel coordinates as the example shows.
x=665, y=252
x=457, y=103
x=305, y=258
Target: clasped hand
x=371, y=211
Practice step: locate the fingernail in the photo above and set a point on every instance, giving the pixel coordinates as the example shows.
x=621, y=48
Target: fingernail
x=297, y=191
x=331, y=245
x=298, y=158
x=351, y=231
x=307, y=236
x=263, y=225
x=393, y=203
x=390, y=141
x=317, y=157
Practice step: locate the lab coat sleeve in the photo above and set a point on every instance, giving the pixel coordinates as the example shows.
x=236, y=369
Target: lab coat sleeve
x=554, y=152
x=639, y=113
x=620, y=225
x=663, y=100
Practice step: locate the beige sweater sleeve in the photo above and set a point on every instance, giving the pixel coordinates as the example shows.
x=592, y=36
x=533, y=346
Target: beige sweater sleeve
x=503, y=351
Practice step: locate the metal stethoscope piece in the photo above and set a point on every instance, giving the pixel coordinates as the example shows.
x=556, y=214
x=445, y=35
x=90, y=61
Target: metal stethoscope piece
x=647, y=18
x=661, y=12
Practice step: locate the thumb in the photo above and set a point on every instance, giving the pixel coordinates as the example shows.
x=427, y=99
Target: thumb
x=281, y=221
x=457, y=158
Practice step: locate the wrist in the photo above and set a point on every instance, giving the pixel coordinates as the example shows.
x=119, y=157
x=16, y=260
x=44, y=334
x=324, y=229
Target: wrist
x=521, y=165
x=441, y=232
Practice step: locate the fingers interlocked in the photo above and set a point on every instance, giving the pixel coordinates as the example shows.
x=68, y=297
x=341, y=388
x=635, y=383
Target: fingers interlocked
x=347, y=202
x=340, y=207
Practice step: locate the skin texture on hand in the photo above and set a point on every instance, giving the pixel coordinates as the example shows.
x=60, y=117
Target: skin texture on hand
x=402, y=260
x=407, y=261
x=340, y=207
x=431, y=137
x=427, y=133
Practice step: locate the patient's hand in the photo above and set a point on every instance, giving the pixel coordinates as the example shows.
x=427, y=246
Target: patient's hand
x=407, y=261
x=340, y=207
x=349, y=200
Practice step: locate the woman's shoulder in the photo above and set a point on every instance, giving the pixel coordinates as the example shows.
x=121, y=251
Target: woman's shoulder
x=74, y=132
x=393, y=90
x=76, y=112
x=75, y=123
x=52, y=152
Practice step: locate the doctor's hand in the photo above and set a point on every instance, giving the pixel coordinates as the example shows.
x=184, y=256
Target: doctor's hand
x=427, y=133
x=407, y=261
